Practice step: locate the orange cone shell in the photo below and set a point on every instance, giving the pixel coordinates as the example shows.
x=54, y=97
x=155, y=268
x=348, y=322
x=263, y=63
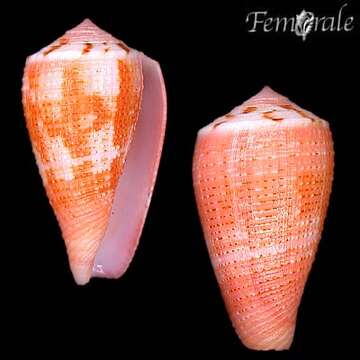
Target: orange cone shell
x=262, y=178
x=82, y=97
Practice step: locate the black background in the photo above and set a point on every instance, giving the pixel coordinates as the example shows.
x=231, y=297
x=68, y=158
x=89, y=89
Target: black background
x=168, y=302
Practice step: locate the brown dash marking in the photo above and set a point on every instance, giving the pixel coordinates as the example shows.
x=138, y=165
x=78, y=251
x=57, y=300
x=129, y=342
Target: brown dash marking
x=88, y=46
x=219, y=123
x=123, y=46
x=227, y=116
x=249, y=109
x=299, y=111
x=287, y=106
x=269, y=115
x=62, y=41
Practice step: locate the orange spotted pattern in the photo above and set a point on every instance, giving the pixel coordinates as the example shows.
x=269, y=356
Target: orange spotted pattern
x=73, y=134
x=262, y=197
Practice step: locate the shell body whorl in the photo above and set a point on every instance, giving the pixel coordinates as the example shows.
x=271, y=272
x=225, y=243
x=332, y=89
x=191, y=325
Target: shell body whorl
x=262, y=178
x=82, y=98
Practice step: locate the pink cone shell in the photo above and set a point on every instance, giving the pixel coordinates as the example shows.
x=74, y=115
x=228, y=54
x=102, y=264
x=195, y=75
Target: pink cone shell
x=262, y=177
x=96, y=114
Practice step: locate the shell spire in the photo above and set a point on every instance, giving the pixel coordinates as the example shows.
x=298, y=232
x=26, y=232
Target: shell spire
x=262, y=178
x=85, y=100
x=88, y=30
x=266, y=95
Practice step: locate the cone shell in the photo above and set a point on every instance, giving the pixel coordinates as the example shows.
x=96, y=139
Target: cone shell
x=91, y=103
x=262, y=177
